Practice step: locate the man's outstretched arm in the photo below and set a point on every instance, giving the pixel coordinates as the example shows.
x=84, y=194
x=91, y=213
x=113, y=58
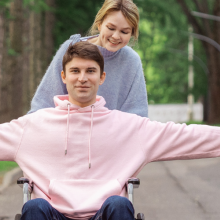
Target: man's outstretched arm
x=10, y=138
x=170, y=141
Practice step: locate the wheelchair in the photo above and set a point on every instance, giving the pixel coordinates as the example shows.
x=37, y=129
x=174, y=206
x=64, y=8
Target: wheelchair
x=130, y=185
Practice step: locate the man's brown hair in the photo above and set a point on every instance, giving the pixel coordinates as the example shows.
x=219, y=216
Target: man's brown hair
x=84, y=50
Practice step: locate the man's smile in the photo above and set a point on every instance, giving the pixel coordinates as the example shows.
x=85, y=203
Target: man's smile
x=82, y=87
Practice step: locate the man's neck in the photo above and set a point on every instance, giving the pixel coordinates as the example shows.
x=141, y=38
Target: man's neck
x=81, y=103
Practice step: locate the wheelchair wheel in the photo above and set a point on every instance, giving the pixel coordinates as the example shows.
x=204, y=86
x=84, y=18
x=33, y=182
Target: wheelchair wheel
x=18, y=217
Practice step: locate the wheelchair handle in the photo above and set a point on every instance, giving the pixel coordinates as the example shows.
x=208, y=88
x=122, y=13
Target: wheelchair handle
x=131, y=184
x=22, y=180
x=134, y=181
x=27, y=189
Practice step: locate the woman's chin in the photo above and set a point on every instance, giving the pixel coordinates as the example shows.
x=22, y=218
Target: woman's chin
x=112, y=48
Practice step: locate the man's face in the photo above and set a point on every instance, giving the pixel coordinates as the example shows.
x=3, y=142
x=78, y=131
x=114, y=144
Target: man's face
x=82, y=81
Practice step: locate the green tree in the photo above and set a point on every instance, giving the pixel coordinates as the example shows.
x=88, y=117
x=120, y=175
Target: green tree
x=171, y=19
x=210, y=29
x=74, y=17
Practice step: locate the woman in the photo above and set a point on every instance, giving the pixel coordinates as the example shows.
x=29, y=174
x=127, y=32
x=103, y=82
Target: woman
x=124, y=88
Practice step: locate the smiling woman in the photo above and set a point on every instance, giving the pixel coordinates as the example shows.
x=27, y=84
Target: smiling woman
x=124, y=88
x=113, y=34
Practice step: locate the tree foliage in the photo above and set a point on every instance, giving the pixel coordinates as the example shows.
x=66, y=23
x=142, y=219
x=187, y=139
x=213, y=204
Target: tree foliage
x=4, y=3
x=162, y=45
x=74, y=17
x=207, y=30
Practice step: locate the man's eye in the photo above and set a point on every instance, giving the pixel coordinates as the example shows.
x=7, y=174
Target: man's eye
x=91, y=71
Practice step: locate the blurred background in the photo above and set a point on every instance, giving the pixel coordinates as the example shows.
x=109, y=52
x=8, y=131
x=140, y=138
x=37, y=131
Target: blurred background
x=178, y=44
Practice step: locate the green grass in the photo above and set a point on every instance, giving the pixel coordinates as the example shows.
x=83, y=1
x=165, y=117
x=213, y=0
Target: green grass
x=195, y=122
x=200, y=122
x=7, y=165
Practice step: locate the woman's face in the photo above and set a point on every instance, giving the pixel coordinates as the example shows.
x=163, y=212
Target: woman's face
x=115, y=32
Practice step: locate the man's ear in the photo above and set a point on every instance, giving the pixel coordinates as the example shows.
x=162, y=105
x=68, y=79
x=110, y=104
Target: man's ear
x=63, y=76
x=102, y=78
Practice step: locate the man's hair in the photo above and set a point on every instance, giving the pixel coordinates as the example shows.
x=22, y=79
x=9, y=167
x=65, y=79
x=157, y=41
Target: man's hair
x=84, y=50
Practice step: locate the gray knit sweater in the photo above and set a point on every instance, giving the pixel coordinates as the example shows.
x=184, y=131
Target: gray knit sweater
x=124, y=88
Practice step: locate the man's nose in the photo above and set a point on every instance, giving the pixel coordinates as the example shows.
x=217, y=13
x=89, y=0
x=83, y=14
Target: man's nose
x=82, y=77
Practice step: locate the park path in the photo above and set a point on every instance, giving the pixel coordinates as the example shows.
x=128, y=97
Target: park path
x=175, y=190
x=10, y=202
x=180, y=190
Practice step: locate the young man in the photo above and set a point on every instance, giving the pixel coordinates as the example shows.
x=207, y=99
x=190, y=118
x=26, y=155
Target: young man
x=80, y=154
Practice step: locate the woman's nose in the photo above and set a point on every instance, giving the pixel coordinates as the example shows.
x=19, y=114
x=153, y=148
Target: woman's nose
x=116, y=35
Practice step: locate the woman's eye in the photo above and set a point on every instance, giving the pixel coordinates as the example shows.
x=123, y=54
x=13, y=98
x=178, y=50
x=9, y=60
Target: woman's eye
x=110, y=28
x=126, y=32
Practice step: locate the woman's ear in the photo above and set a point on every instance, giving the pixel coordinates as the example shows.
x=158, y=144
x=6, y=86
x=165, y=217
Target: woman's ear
x=99, y=27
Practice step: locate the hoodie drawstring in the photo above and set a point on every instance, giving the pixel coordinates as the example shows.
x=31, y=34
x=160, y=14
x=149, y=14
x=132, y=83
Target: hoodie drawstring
x=67, y=129
x=90, y=135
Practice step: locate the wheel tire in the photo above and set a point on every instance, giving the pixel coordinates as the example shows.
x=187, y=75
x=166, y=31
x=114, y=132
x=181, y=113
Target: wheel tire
x=18, y=217
x=140, y=216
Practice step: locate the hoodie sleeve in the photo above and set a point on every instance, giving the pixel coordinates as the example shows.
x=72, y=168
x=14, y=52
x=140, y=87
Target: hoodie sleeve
x=136, y=102
x=172, y=141
x=10, y=138
x=51, y=84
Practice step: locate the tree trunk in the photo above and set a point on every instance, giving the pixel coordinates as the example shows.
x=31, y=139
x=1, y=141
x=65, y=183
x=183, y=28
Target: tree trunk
x=2, y=34
x=26, y=65
x=32, y=52
x=210, y=29
x=48, y=33
x=36, y=51
x=15, y=59
x=5, y=85
x=213, y=60
x=213, y=85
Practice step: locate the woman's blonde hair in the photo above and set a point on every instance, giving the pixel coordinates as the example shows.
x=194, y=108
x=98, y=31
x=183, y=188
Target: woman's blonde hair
x=128, y=9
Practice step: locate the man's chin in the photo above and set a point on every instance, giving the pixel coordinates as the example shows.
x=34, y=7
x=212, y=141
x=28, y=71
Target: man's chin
x=83, y=100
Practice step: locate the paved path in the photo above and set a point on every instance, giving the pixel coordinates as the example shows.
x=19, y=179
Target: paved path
x=10, y=202
x=176, y=190
x=180, y=190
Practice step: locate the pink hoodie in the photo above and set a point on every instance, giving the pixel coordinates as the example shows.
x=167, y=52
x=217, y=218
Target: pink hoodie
x=78, y=157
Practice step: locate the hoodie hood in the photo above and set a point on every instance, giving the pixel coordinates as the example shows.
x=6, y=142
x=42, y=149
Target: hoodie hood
x=62, y=102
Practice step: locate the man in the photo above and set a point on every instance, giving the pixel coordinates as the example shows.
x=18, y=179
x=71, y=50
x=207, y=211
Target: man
x=80, y=154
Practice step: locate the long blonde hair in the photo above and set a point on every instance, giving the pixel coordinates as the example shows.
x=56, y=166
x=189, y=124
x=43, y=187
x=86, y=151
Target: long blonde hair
x=128, y=9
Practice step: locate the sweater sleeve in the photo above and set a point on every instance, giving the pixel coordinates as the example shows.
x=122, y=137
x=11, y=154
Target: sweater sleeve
x=51, y=84
x=170, y=141
x=10, y=138
x=136, y=101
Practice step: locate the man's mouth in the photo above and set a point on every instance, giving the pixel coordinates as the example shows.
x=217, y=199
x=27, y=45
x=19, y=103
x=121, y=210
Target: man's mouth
x=82, y=87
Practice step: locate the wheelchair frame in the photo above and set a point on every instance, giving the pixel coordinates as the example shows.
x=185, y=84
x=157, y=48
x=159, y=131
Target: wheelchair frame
x=131, y=184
